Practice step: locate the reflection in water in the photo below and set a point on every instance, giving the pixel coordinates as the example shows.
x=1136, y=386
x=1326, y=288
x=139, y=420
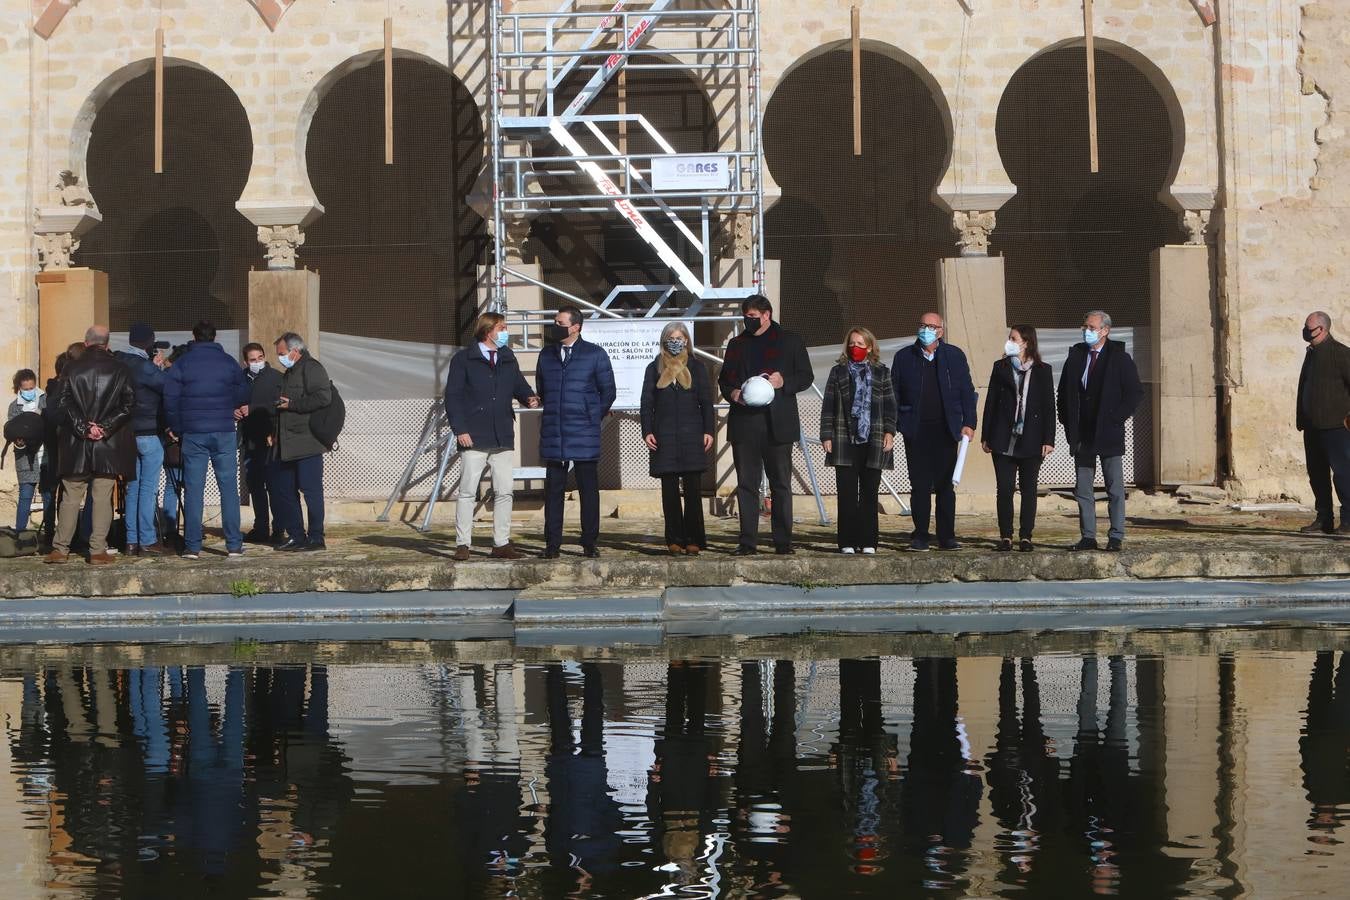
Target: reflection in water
x=1045, y=775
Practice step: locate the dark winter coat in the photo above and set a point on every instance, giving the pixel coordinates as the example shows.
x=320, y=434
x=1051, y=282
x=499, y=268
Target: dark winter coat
x=1094, y=419
x=837, y=425
x=28, y=461
x=1000, y=410
x=1324, y=387
x=96, y=388
x=776, y=350
x=308, y=388
x=959, y=399
x=261, y=421
x=148, y=380
x=478, y=397
x=576, y=398
x=202, y=389
x=679, y=418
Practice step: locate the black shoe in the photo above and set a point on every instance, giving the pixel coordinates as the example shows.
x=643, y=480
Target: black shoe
x=1025, y=546
x=290, y=545
x=1113, y=545
x=919, y=545
x=549, y=553
x=257, y=537
x=1085, y=544
x=743, y=550
x=313, y=547
x=949, y=545
x=1004, y=545
x=783, y=550
x=1317, y=526
x=590, y=552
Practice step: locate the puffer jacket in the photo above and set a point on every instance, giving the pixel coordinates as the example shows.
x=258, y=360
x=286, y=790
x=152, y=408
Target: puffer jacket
x=307, y=387
x=96, y=388
x=679, y=418
x=576, y=398
x=148, y=380
x=203, y=389
x=27, y=462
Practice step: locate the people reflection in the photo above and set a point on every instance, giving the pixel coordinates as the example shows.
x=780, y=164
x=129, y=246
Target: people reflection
x=867, y=763
x=1099, y=774
x=1324, y=746
x=583, y=819
x=765, y=762
x=680, y=775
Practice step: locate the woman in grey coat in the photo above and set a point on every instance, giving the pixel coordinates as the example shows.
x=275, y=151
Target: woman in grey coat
x=29, y=462
x=857, y=431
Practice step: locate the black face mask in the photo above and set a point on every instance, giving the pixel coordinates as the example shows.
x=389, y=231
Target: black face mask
x=752, y=324
x=555, y=333
x=1307, y=334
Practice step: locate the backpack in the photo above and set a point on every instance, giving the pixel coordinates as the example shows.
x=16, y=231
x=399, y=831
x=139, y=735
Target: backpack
x=326, y=423
x=28, y=427
x=17, y=543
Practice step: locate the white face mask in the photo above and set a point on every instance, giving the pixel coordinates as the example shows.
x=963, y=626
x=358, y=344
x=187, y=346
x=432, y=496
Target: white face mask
x=257, y=366
x=1012, y=348
x=1091, y=336
x=286, y=361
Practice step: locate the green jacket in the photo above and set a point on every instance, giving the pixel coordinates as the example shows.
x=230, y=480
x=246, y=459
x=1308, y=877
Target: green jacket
x=307, y=386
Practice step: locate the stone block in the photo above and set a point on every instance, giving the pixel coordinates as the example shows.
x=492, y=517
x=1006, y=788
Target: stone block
x=1181, y=369
x=281, y=300
x=69, y=301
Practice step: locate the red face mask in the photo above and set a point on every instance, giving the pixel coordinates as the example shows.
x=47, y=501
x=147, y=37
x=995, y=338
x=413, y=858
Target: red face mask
x=857, y=354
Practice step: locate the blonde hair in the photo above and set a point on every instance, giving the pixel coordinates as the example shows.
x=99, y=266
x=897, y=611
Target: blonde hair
x=674, y=369
x=869, y=340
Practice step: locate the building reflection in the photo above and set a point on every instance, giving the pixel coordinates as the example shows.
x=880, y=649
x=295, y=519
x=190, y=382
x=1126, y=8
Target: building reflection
x=1049, y=775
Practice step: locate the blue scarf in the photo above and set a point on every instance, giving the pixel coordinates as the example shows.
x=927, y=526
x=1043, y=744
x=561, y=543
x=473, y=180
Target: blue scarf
x=861, y=373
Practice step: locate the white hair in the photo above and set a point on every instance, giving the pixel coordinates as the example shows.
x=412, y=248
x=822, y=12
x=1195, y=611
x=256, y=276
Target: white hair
x=1106, y=317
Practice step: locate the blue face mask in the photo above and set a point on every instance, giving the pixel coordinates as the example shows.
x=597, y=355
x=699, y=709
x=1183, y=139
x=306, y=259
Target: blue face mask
x=285, y=360
x=1091, y=337
x=29, y=395
x=927, y=335
x=502, y=339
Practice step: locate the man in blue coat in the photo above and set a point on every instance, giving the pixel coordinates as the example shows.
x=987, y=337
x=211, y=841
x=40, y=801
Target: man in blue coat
x=144, y=358
x=575, y=384
x=936, y=408
x=202, y=392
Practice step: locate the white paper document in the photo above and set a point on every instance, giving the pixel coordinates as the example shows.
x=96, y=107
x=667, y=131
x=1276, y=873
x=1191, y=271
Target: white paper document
x=960, y=460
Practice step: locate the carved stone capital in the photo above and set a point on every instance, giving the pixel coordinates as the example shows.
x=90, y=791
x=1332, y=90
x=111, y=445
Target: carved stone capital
x=281, y=227
x=58, y=231
x=281, y=243
x=55, y=250
x=1196, y=223
x=973, y=228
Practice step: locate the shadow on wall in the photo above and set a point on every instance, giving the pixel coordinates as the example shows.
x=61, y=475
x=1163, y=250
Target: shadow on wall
x=173, y=245
x=859, y=236
x=1074, y=241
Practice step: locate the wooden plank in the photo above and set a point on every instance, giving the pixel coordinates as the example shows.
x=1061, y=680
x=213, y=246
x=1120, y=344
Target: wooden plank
x=855, y=18
x=159, y=101
x=388, y=92
x=1205, y=9
x=1091, y=84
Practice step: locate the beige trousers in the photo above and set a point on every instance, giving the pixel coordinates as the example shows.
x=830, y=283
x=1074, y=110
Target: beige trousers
x=72, y=503
x=472, y=463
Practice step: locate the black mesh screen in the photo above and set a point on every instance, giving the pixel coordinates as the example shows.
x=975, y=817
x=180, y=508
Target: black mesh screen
x=397, y=248
x=859, y=237
x=173, y=245
x=1074, y=241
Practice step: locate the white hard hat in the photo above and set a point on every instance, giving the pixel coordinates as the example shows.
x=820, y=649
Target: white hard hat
x=757, y=391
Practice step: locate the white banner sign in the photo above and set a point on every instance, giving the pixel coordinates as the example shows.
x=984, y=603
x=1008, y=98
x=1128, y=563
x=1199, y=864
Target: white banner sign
x=690, y=173
x=631, y=344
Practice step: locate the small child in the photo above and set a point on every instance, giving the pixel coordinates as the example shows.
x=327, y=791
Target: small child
x=30, y=467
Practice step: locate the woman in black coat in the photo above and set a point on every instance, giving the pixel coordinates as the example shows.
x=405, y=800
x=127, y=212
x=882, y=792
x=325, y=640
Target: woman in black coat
x=1019, y=429
x=857, y=432
x=678, y=422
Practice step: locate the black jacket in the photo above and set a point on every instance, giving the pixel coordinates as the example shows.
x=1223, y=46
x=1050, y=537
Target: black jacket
x=1000, y=410
x=1094, y=419
x=261, y=421
x=784, y=353
x=1324, y=387
x=478, y=397
x=96, y=388
x=679, y=418
x=148, y=381
x=955, y=388
x=308, y=388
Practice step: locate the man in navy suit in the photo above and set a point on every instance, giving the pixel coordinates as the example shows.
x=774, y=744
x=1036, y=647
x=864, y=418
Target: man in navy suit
x=936, y=401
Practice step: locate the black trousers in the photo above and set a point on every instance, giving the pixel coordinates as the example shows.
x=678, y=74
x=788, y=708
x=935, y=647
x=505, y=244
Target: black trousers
x=754, y=455
x=684, y=524
x=857, y=495
x=1320, y=470
x=588, y=492
x=257, y=473
x=931, y=458
x=1021, y=473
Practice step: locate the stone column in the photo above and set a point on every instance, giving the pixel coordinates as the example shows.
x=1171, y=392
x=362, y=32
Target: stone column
x=69, y=299
x=1190, y=774
x=1182, y=368
x=282, y=297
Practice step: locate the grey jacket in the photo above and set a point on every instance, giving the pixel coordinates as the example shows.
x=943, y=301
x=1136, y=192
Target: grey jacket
x=27, y=466
x=307, y=386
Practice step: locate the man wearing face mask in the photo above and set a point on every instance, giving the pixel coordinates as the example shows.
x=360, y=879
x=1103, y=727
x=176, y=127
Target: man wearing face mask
x=256, y=427
x=1323, y=406
x=935, y=400
x=305, y=389
x=762, y=436
x=481, y=382
x=1099, y=390
x=575, y=385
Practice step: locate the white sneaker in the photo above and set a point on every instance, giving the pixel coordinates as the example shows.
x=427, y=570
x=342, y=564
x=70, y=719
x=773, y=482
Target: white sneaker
x=191, y=556
x=236, y=554
x=846, y=550
x=870, y=551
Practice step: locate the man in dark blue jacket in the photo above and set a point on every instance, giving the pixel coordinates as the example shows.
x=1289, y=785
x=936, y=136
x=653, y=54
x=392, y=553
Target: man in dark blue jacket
x=936, y=408
x=145, y=359
x=1099, y=390
x=575, y=384
x=203, y=391
x=479, y=387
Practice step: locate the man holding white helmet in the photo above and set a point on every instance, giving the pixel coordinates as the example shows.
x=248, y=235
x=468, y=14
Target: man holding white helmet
x=764, y=369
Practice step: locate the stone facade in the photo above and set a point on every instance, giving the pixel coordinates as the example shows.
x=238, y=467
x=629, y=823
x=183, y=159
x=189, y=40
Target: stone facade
x=1256, y=101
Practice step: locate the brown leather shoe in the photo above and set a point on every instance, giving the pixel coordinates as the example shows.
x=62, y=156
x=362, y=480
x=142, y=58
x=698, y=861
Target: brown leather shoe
x=101, y=559
x=56, y=557
x=461, y=553
x=155, y=549
x=693, y=549
x=675, y=549
x=506, y=551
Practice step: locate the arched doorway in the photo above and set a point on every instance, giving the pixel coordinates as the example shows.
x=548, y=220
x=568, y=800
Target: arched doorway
x=858, y=236
x=397, y=246
x=174, y=247
x=1073, y=240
